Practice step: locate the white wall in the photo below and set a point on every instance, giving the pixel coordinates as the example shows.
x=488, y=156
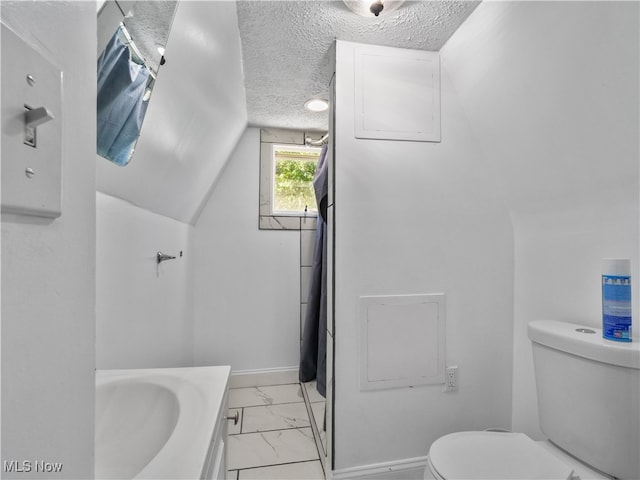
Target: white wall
x=414, y=217
x=144, y=311
x=48, y=267
x=247, y=281
x=551, y=93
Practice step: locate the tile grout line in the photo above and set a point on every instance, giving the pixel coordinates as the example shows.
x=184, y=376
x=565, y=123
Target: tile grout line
x=277, y=465
x=308, y=460
x=271, y=430
x=243, y=413
x=312, y=426
x=268, y=404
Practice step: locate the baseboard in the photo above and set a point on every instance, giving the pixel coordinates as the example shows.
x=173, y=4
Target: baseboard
x=263, y=377
x=405, y=469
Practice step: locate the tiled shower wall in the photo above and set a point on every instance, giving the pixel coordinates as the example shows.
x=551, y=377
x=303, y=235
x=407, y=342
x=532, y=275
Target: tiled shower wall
x=307, y=243
x=305, y=225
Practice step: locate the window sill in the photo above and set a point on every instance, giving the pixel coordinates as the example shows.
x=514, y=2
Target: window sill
x=288, y=222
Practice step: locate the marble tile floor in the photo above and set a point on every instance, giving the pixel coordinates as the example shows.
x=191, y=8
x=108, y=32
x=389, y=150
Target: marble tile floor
x=273, y=438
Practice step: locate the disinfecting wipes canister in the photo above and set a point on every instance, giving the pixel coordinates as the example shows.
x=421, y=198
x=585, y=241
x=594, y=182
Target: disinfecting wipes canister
x=616, y=299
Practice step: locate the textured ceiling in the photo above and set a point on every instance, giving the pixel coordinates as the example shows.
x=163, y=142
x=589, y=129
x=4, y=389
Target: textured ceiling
x=286, y=49
x=149, y=24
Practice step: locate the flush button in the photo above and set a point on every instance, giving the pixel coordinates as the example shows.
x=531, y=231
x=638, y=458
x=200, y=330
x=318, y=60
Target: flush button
x=585, y=330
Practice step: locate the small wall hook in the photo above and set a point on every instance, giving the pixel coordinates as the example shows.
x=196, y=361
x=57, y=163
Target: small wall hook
x=161, y=257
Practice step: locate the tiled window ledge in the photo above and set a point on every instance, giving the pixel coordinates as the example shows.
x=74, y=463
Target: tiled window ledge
x=268, y=222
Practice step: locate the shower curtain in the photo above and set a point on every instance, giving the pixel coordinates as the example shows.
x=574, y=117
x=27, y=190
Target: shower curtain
x=121, y=109
x=313, y=349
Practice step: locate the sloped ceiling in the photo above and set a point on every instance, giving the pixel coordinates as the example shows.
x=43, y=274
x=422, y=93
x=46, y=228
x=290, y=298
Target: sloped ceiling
x=559, y=134
x=254, y=62
x=196, y=114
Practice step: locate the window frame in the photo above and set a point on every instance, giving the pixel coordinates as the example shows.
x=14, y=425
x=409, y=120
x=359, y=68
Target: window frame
x=268, y=219
x=283, y=146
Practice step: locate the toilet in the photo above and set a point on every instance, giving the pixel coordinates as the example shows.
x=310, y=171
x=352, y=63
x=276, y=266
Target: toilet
x=588, y=393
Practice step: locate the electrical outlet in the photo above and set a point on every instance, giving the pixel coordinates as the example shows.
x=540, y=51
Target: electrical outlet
x=451, y=379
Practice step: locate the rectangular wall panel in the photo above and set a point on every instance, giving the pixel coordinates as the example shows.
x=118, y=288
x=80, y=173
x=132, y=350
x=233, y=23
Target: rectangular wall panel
x=403, y=340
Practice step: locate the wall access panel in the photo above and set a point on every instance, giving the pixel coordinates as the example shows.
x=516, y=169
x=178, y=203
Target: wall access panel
x=397, y=94
x=403, y=340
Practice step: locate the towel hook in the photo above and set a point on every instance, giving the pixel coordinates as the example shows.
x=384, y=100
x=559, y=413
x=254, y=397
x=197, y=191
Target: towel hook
x=161, y=257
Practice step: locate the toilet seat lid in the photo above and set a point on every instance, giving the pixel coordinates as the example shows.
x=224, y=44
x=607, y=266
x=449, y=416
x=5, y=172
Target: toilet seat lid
x=495, y=455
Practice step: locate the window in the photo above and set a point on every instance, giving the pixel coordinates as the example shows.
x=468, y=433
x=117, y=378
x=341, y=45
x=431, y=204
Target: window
x=292, y=188
x=287, y=167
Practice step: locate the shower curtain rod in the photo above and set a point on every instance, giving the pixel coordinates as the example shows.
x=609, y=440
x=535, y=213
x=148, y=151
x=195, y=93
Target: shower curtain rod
x=131, y=43
x=317, y=143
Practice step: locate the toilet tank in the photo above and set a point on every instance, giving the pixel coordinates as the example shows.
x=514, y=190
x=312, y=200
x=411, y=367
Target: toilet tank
x=588, y=390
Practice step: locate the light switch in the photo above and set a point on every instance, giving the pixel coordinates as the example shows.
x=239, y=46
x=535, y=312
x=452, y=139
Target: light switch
x=31, y=130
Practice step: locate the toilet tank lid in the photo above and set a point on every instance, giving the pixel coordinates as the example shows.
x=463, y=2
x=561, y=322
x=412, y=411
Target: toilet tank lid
x=577, y=340
x=498, y=456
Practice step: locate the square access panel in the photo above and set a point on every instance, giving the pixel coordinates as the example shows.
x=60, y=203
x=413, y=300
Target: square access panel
x=397, y=94
x=402, y=340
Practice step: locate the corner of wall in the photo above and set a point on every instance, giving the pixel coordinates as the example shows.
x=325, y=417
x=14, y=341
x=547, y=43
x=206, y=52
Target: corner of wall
x=214, y=182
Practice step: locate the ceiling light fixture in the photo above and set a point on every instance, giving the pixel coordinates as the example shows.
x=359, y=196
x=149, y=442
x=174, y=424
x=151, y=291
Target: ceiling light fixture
x=372, y=8
x=316, y=105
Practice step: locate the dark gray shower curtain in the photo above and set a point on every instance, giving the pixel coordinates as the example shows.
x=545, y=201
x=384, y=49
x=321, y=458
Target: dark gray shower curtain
x=313, y=349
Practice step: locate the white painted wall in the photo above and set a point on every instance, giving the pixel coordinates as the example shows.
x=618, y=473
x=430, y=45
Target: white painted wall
x=410, y=218
x=48, y=267
x=247, y=281
x=144, y=311
x=194, y=119
x=551, y=93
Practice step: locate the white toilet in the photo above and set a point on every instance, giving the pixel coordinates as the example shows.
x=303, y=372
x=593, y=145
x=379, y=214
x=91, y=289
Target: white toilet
x=588, y=402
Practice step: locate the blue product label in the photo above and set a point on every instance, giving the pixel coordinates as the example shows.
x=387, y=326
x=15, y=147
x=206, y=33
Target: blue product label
x=616, y=308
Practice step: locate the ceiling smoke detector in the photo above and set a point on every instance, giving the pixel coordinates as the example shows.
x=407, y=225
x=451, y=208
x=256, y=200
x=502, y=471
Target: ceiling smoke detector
x=373, y=8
